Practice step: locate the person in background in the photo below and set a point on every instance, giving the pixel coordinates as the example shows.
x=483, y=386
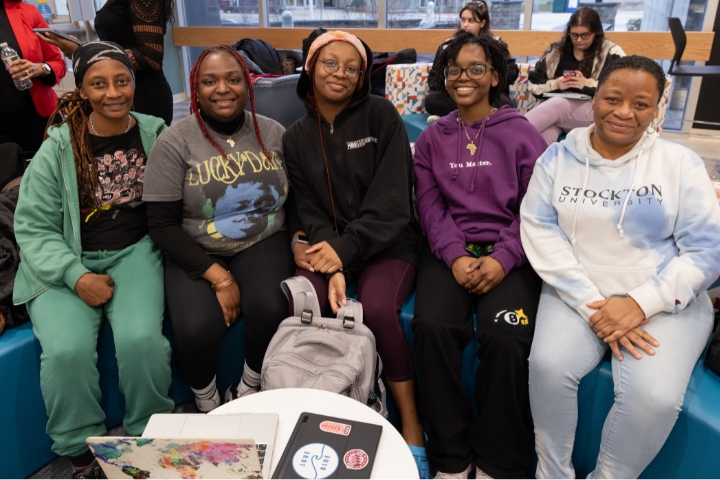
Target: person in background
x=26, y=113
x=472, y=170
x=216, y=186
x=138, y=26
x=474, y=18
x=622, y=226
x=572, y=65
x=351, y=172
x=85, y=256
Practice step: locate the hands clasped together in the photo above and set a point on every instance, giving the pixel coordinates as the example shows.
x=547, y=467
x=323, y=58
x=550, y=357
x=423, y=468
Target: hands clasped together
x=478, y=275
x=618, y=322
x=322, y=258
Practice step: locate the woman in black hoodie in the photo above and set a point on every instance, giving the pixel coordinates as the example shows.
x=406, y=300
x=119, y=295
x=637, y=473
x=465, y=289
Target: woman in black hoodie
x=351, y=178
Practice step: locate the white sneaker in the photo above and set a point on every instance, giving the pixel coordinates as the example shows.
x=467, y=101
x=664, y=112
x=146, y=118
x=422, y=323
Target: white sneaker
x=432, y=119
x=205, y=405
x=480, y=474
x=239, y=389
x=463, y=474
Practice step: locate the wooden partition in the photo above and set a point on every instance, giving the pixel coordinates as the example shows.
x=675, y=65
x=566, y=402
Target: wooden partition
x=656, y=45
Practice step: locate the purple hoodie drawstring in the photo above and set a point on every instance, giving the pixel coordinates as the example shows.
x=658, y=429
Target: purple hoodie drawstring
x=457, y=168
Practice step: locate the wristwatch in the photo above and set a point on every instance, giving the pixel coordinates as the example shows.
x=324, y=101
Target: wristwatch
x=298, y=239
x=46, y=68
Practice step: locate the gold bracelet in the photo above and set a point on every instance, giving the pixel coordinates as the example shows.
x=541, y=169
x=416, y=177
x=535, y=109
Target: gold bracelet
x=225, y=282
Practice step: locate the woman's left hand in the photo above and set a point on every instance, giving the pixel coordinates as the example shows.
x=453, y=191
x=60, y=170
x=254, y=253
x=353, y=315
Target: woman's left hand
x=25, y=69
x=615, y=317
x=324, y=258
x=485, y=274
x=336, y=292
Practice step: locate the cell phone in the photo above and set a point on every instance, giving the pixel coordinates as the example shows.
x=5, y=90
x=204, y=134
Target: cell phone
x=569, y=73
x=58, y=33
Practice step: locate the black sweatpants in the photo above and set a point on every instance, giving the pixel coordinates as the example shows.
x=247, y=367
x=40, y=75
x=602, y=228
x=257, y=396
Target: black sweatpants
x=197, y=318
x=497, y=440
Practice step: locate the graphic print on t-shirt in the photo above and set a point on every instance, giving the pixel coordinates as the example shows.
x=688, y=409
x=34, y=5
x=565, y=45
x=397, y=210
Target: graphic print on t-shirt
x=241, y=197
x=121, y=175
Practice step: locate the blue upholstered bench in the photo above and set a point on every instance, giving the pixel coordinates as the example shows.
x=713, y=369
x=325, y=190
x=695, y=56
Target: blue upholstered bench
x=690, y=452
x=414, y=124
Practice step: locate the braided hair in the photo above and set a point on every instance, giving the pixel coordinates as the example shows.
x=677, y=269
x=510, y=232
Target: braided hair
x=195, y=108
x=75, y=112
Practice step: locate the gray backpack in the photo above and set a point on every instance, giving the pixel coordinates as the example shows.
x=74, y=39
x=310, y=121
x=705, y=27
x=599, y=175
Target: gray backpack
x=333, y=354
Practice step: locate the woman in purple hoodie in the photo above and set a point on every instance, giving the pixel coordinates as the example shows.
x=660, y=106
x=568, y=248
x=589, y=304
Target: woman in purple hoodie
x=472, y=170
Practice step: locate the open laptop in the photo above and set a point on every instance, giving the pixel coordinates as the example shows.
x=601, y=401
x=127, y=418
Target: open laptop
x=140, y=457
x=261, y=427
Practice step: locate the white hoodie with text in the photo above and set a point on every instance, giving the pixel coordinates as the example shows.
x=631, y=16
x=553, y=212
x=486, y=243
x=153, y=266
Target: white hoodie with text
x=645, y=225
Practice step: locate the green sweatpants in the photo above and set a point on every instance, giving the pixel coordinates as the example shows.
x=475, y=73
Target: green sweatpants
x=68, y=332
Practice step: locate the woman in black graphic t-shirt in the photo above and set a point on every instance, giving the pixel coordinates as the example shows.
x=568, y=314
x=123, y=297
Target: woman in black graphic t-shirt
x=215, y=187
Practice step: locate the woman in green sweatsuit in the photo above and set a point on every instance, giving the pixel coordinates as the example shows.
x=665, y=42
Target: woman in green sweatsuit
x=85, y=255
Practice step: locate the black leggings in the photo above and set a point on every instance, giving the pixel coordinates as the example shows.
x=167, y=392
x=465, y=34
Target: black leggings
x=197, y=318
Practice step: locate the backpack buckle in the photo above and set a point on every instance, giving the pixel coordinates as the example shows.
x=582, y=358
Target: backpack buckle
x=349, y=322
x=306, y=316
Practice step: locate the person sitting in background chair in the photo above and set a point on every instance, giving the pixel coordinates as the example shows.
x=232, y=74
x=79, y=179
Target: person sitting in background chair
x=474, y=18
x=571, y=65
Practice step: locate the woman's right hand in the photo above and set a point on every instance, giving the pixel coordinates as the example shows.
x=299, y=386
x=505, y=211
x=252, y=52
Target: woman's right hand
x=459, y=267
x=228, y=297
x=229, y=300
x=66, y=46
x=302, y=259
x=94, y=289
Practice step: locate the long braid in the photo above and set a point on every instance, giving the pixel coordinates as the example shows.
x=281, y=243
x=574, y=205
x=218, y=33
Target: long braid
x=316, y=104
x=195, y=109
x=75, y=111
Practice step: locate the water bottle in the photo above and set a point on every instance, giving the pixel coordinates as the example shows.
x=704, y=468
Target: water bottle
x=9, y=55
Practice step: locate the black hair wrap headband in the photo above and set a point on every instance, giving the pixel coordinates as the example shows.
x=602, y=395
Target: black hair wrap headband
x=92, y=52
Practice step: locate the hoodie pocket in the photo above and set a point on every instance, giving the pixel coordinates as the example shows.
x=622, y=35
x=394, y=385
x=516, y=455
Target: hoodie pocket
x=618, y=281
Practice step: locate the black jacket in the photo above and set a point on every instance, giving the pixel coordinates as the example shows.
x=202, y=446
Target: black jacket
x=371, y=173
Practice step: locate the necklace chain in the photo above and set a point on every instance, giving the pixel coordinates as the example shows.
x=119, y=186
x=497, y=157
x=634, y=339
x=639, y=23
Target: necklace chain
x=229, y=139
x=471, y=145
x=94, y=132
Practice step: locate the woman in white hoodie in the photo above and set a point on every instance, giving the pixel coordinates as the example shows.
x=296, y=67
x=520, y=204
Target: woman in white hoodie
x=624, y=229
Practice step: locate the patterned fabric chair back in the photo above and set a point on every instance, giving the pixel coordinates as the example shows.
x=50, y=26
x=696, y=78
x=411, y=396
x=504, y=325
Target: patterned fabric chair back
x=406, y=86
x=524, y=100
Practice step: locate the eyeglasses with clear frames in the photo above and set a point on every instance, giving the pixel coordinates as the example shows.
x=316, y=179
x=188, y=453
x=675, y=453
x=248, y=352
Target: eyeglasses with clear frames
x=474, y=72
x=584, y=36
x=331, y=66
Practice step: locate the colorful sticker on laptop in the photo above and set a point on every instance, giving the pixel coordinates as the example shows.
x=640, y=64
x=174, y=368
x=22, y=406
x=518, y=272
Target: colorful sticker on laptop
x=335, y=427
x=315, y=460
x=356, y=459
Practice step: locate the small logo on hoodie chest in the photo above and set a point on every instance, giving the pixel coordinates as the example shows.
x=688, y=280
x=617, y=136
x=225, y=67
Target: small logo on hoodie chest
x=484, y=163
x=361, y=143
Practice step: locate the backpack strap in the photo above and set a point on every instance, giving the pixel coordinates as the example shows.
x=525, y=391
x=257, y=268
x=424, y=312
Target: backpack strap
x=305, y=301
x=351, y=313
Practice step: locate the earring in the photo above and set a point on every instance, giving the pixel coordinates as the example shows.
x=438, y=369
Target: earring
x=586, y=114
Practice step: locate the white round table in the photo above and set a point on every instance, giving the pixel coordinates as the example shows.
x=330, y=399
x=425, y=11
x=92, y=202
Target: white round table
x=393, y=459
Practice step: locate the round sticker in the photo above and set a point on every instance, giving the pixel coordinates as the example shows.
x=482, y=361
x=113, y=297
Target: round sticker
x=356, y=459
x=315, y=460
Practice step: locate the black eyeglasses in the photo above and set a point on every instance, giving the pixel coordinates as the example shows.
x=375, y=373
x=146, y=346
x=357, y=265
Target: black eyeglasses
x=331, y=66
x=584, y=36
x=475, y=72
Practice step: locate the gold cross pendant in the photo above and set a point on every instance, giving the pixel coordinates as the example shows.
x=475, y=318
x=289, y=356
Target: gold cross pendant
x=471, y=146
x=232, y=142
